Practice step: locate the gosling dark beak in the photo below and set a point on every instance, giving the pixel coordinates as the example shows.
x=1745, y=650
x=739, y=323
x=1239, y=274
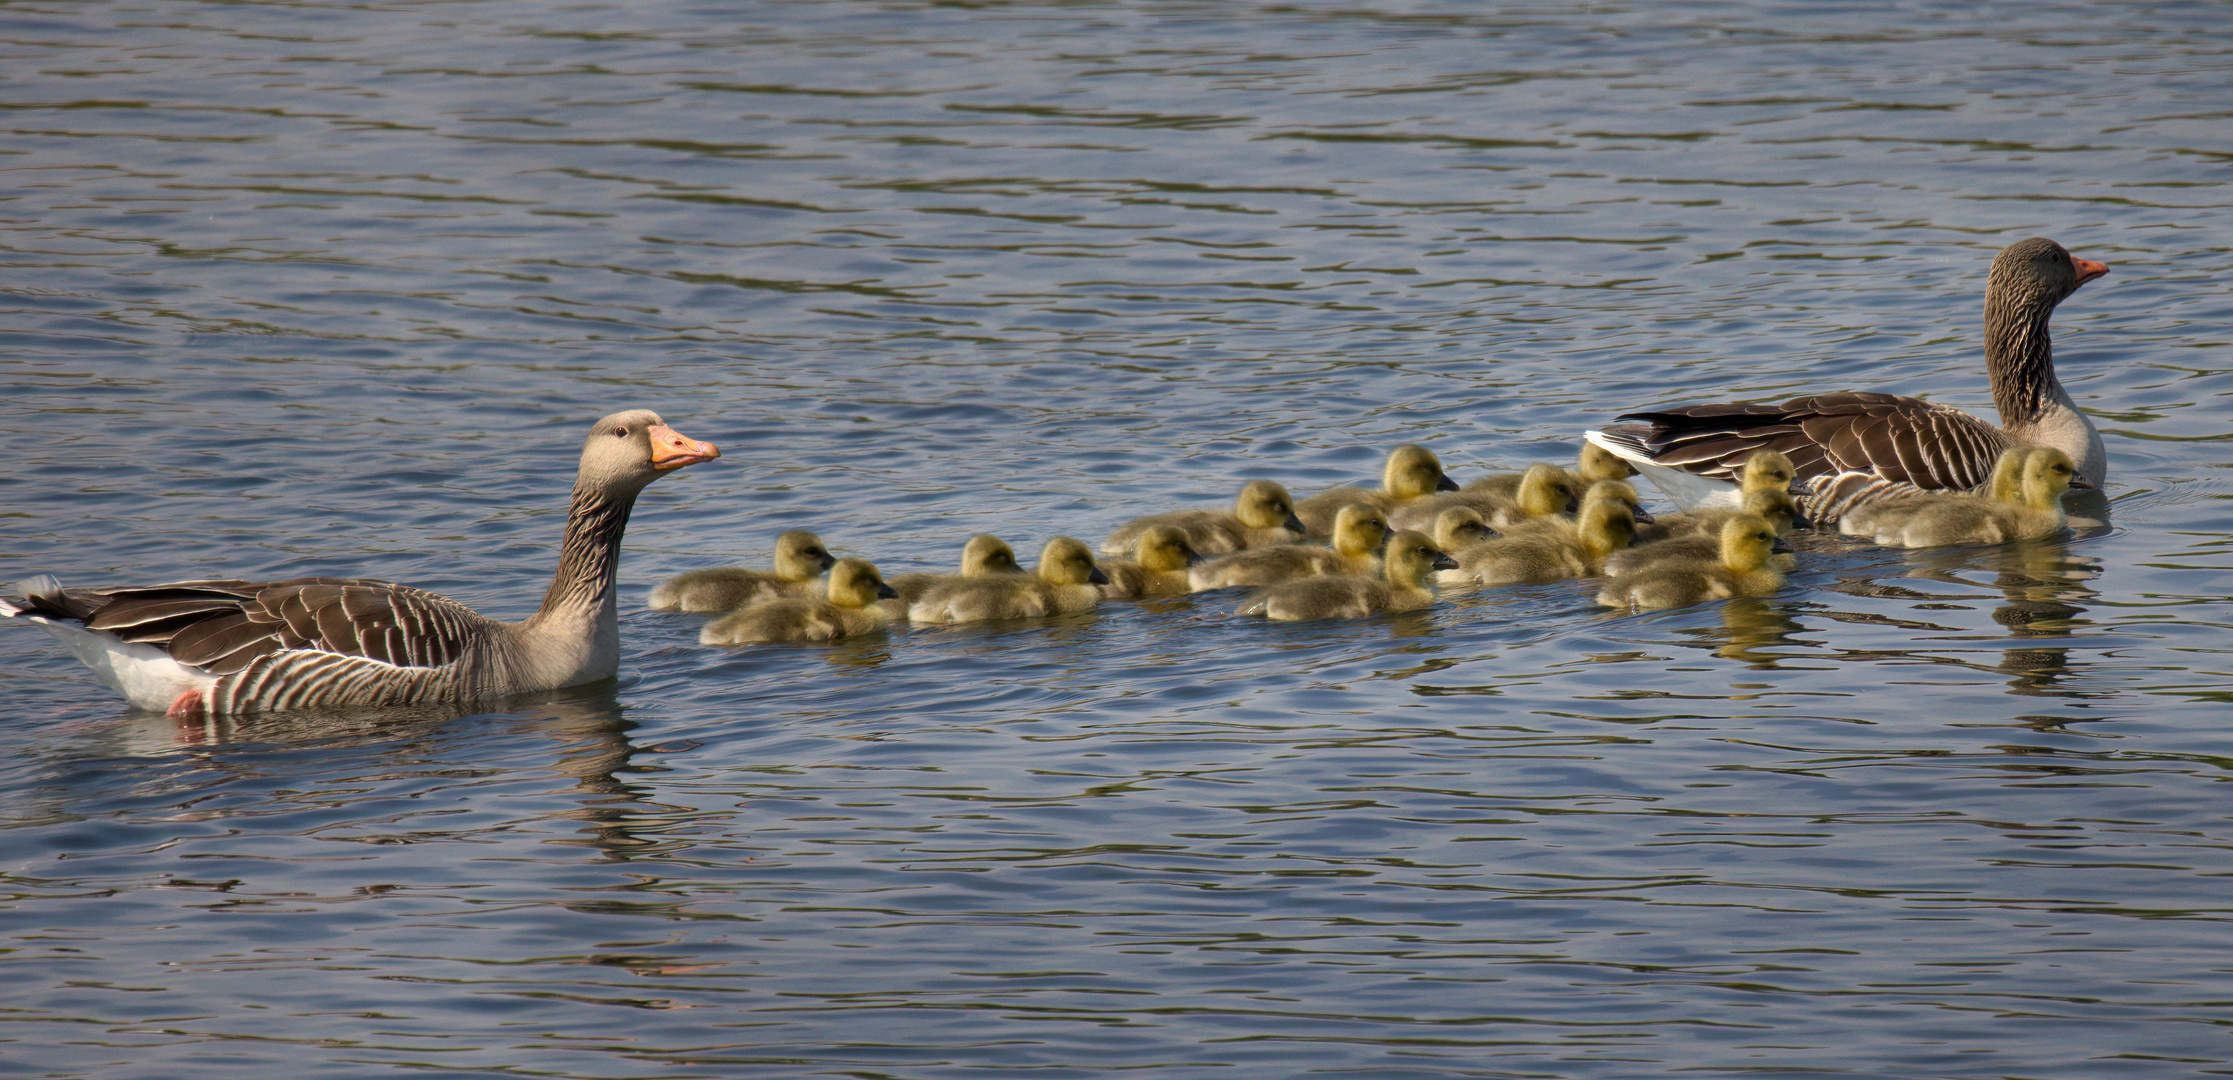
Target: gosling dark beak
x=1097, y=577
x=1779, y=547
x=2088, y=269
x=886, y=592
x=1193, y=558
x=1446, y=484
x=1294, y=525
x=2080, y=483
x=1443, y=561
x=828, y=560
x=1801, y=521
x=1643, y=516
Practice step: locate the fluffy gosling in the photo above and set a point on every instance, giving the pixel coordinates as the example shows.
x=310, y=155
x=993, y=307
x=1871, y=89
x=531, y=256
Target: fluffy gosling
x=1402, y=586
x=1264, y=514
x=1063, y=584
x=984, y=555
x=1740, y=568
x=851, y=608
x=1412, y=473
x=1459, y=527
x=2023, y=502
x=799, y=559
x=1555, y=551
x=1160, y=570
x=1358, y=531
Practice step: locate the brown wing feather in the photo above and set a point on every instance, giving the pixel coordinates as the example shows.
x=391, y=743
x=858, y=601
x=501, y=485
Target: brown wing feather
x=1903, y=440
x=224, y=626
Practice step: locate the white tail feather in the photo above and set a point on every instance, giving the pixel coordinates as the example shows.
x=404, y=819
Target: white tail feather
x=1689, y=490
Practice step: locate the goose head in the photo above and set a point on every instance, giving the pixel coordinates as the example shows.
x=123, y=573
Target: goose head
x=1747, y=541
x=1548, y=489
x=1460, y=526
x=1412, y=556
x=1606, y=525
x=1067, y=561
x=854, y=583
x=1414, y=471
x=1620, y=491
x=1597, y=463
x=985, y=555
x=2037, y=274
x=800, y=556
x=1164, y=550
x=1266, y=505
x=2047, y=474
x=1767, y=470
x=628, y=450
x=1778, y=507
x=1359, y=529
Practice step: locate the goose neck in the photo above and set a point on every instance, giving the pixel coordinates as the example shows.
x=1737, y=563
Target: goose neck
x=589, y=560
x=2020, y=357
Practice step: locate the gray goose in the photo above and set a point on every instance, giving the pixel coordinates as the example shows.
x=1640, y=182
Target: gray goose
x=232, y=646
x=1856, y=448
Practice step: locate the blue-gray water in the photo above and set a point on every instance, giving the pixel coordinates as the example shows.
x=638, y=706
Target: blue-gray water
x=325, y=288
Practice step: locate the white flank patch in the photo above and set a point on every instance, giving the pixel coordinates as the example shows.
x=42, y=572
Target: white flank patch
x=1689, y=490
x=144, y=674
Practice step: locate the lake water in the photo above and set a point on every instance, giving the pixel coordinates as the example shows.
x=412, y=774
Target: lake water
x=336, y=288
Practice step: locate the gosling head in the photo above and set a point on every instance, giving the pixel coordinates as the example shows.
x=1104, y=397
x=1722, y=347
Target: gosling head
x=1781, y=510
x=1598, y=463
x=2047, y=474
x=1067, y=561
x=1163, y=550
x=1765, y=470
x=1746, y=542
x=1266, y=505
x=1412, y=556
x=800, y=556
x=1620, y=491
x=1359, y=529
x=986, y=554
x=1414, y=471
x=2007, y=485
x=1548, y=489
x=854, y=583
x=1606, y=525
x=1460, y=526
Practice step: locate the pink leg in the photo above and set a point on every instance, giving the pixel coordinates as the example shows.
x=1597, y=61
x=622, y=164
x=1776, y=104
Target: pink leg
x=187, y=706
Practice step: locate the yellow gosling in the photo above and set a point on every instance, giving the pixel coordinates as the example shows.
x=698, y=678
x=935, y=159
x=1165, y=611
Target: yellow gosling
x=1703, y=525
x=1936, y=518
x=1164, y=557
x=1263, y=515
x=1358, y=531
x=1547, y=553
x=1541, y=491
x=1597, y=463
x=1064, y=584
x=1412, y=473
x=984, y=555
x=799, y=559
x=850, y=609
x=1740, y=568
x=1460, y=527
x=1402, y=586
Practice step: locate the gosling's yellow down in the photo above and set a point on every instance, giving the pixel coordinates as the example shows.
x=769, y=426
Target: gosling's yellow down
x=984, y=555
x=1556, y=551
x=1410, y=557
x=1412, y=473
x=1263, y=514
x=1459, y=527
x=799, y=559
x=1696, y=534
x=1740, y=568
x=1541, y=491
x=1063, y=584
x=2023, y=502
x=1594, y=463
x=1160, y=569
x=1358, y=531
x=851, y=608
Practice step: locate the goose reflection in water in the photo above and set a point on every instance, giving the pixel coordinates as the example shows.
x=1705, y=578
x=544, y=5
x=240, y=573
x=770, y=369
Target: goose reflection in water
x=2045, y=595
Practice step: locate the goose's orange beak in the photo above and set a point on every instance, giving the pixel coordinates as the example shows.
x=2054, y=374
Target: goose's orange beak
x=671, y=449
x=2088, y=269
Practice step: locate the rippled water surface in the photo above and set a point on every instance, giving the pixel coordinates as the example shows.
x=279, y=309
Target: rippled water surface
x=326, y=288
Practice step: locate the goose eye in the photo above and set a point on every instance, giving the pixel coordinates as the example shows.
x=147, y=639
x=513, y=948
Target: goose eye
x=620, y=433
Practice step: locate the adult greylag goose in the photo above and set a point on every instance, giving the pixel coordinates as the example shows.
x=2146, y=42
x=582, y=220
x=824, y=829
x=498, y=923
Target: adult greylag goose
x=1412, y=473
x=232, y=646
x=800, y=557
x=1855, y=448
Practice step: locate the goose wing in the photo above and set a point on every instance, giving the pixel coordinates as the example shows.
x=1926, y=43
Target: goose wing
x=224, y=626
x=1847, y=448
